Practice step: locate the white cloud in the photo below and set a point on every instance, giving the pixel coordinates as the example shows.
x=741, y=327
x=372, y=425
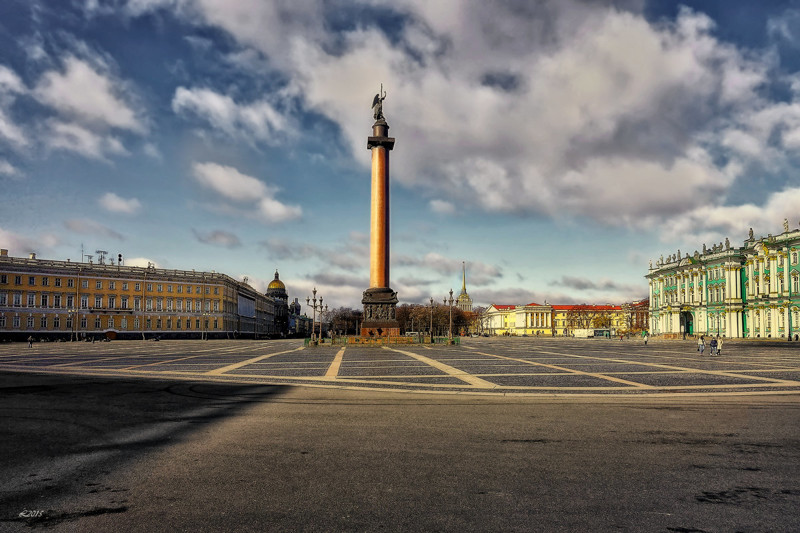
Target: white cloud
x=90, y=227
x=442, y=207
x=151, y=150
x=712, y=224
x=259, y=120
x=73, y=137
x=116, y=204
x=21, y=245
x=142, y=262
x=8, y=169
x=218, y=237
x=232, y=185
x=93, y=97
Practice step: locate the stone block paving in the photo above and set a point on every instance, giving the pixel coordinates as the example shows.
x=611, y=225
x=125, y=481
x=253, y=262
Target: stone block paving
x=478, y=365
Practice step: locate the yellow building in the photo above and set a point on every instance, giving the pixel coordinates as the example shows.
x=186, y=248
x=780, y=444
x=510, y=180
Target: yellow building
x=557, y=320
x=49, y=299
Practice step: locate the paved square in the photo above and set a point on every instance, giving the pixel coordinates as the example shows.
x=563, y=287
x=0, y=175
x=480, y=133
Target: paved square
x=479, y=365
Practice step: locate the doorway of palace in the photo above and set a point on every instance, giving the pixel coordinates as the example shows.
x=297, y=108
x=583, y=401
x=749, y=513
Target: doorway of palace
x=688, y=322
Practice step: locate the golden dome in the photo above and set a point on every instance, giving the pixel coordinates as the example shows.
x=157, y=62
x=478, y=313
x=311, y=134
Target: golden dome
x=276, y=283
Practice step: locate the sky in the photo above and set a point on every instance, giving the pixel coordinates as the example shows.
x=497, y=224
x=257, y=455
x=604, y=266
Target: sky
x=555, y=146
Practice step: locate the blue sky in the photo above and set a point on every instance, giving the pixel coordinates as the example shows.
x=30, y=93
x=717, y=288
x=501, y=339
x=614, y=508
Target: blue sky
x=554, y=146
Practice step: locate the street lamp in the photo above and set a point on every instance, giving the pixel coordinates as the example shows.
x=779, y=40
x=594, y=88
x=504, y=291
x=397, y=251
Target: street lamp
x=312, y=302
x=72, y=314
x=431, y=330
x=450, y=331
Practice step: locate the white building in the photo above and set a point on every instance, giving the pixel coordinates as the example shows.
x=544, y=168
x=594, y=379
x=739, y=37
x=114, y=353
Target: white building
x=748, y=291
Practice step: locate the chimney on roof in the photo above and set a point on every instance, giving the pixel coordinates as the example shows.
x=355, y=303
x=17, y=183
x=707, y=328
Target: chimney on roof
x=32, y=255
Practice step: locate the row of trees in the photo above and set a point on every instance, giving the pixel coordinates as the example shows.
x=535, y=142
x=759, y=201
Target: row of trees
x=412, y=317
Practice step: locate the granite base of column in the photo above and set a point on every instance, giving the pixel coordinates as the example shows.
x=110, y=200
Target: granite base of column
x=380, y=319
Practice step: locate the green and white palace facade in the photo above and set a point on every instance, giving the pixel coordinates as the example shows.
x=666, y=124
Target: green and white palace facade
x=751, y=291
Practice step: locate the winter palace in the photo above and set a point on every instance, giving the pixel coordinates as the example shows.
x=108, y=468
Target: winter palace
x=750, y=291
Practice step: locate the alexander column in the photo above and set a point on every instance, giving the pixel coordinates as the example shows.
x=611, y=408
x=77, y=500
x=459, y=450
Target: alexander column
x=379, y=300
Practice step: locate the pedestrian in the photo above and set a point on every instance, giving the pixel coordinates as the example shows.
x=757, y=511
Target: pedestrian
x=645, y=339
x=713, y=344
x=719, y=346
x=30, y=341
x=701, y=345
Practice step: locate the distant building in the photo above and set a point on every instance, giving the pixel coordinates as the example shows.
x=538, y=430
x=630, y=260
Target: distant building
x=69, y=300
x=277, y=291
x=464, y=301
x=748, y=291
x=546, y=319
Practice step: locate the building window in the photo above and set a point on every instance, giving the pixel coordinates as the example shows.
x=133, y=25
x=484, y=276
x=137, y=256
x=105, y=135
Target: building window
x=97, y=324
x=216, y=324
x=159, y=304
x=3, y=299
x=70, y=283
x=178, y=323
x=124, y=285
x=57, y=282
x=17, y=300
x=138, y=287
x=216, y=290
x=31, y=280
x=123, y=323
x=137, y=305
x=795, y=285
x=57, y=300
x=149, y=304
x=169, y=304
x=30, y=322
x=84, y=322
x=149, y=287
x=159, y=287
x=112, y=285
x=112, y=302
x=794, y=258
x=98, y=284
x=85, y=283
x=197, y=290
x=31, y=299
x=15, y=321
x=84, y=302
x=135, y=323
x=98, y=302
x=216, y=305
x=124, y=301
x=180, y=289
x=188, y=289
x=197, y=323
x=169, y=288
x=169, y=323
x=2, y=321
x=179, y=304
x=208, y=290
x=43, y=300
x=158, y=323
x=17, y=280
x=70, y=301
x=188, y=323
x=56, y=322
x=43, y=322
x=45, y=282
x=148, y=324
x=3, y=278
x=69, y=321
x=110, y=322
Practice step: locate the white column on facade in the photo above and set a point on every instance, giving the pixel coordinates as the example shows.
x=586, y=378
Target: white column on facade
x=786, y=321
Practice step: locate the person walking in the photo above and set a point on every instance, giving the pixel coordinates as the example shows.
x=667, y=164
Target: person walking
x=645, y=339
x=713, y=344
x=719, y=346
x=30, y=341
x=701, y=345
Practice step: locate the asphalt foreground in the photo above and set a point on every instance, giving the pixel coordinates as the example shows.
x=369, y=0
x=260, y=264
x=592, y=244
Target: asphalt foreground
x=91, y=446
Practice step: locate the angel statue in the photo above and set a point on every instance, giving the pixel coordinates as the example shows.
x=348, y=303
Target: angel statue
x=377, y=104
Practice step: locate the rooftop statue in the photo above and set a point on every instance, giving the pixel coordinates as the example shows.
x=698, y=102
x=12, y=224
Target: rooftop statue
x=377, y=104
x=751, y=234
x=785, y=225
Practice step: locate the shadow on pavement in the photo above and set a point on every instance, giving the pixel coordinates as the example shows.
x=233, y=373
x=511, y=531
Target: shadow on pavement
x=60, y=432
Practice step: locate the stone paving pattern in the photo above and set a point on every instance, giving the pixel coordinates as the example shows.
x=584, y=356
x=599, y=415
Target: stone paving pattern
x=478, y=365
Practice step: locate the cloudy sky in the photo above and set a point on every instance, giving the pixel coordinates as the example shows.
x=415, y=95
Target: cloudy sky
x=556, y=146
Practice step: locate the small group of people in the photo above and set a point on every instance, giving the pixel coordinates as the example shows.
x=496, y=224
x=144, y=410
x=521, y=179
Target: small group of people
x=715, y=344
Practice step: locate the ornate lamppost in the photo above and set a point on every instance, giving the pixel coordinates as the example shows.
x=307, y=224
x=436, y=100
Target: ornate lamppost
x=312, y=302
x=431, y=330
x=450, y=330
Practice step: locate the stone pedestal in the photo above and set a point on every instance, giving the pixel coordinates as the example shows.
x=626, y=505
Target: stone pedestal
x=379, y=313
